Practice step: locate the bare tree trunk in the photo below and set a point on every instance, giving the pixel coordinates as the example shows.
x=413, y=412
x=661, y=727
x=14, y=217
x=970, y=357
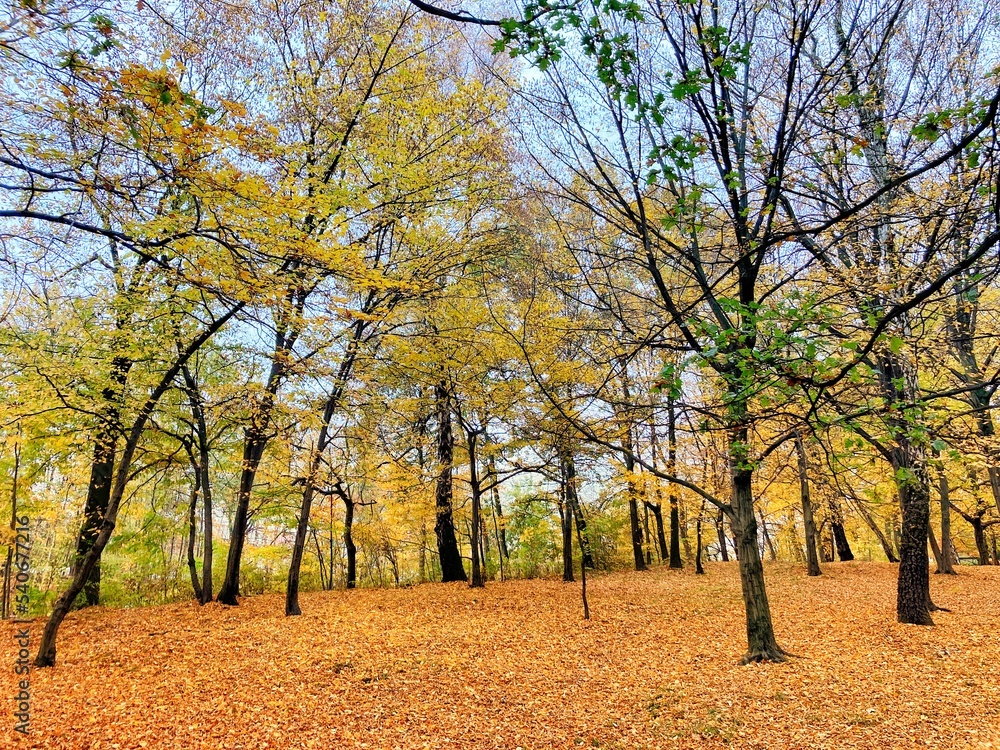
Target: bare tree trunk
x=478, y=580
x=192, y=532
x=945, y=564
x=767, y=538
x=721, y=531
x=807, y=514
x=444, y=525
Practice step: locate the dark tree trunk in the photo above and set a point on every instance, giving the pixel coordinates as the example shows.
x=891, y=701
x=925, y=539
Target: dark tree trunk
x=840, y=542
x=721, y=531
x=812, y=558
x=205, y=483
x=192, y=533
x=913, y=588
x=444, y=525
x=102, y=475
x=46, y=656
x=761, y=643
x=675, y=519
x=573, y=500
x=478, y=580
x=253, y=450
x=636, y=528
x=698, y=567
x=661, y=538
x=350, y=549
x=566, y=524
x=315, y=462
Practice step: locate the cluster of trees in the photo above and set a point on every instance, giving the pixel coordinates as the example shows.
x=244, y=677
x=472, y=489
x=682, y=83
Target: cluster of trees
x=327, y=293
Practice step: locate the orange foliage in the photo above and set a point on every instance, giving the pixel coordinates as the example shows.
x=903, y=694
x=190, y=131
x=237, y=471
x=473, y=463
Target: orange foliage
x=444, y=666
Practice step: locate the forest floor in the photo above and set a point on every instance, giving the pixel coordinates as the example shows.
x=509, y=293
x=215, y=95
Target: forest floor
x=516, y=666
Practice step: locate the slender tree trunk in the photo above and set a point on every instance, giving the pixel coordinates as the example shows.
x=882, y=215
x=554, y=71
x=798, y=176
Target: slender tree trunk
x=498, y=519
x=807, y=515
x=344, y=371
x=647, y=534
x=573, y=500
x=698, y=567
x=661, y=538
x=478, y=580
x=205, y=483
x=837, y=529
x=102, y=475
x=935, y=549
x=721, y=531
x=444, y=526
x=945, y=564
x=566, y=524
x=46, y=656
x=192, y=533
x=674, y=499
x=350, y=549
x=636, y=528
x=767, y=538
x=890, y=554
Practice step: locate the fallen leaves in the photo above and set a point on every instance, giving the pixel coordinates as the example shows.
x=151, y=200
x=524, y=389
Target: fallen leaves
x=442, y=666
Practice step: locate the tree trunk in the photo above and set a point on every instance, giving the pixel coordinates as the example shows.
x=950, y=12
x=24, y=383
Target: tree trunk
x=636, y=528
x=350, y=548
x=840, y=542
x=444, y=525
x=698, y=567
x=767, y=538
x=192, y=533
x=945, y=565
x=478, y=580
x=812, y=558
x=566, y=524
x=721, y=531
x=46, y=656
x=202, y=467
x=674, y=499
x=913, y=587
x=102, y=475
x=761, y=643
x=573, y=500
x=661, y=539
x=500, y=527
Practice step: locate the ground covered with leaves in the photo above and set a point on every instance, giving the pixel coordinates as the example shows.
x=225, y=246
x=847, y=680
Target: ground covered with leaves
x=444, y=666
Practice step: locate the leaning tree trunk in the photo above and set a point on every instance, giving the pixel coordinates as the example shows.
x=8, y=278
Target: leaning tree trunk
x=573, y=501
x=315, y=462
x=721, y=532
x=46, y=656
x=807, y=514
x=444, y=525
x=101, y=475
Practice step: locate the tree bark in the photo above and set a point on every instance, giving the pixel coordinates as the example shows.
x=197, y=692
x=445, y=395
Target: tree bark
x=102, y=475
x=478, y=580
x=761, y=643
x=192, y=532
x=812, y=559
x=945, y=565
x=202, y=467
x=444, y=525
